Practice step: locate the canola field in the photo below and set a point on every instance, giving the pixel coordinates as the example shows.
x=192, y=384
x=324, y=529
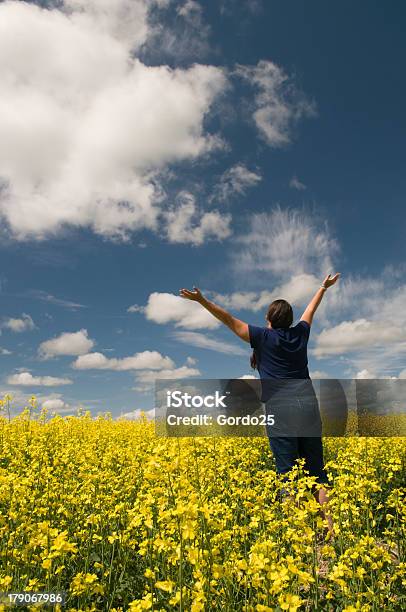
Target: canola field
x=122, y=520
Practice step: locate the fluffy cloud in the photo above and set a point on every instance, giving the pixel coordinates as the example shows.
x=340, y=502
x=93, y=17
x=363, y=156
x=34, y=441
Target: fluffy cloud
x=146, y=378
x=26, y=379
x=151, y=360
x=375, y=340
x=22, y=324
x=137, y=414
x=206, y=342
x=74, y=91
x=124, y=20
x=366, y=374
x=148, y=366
x=235, y=181
x=168, y=308
x=316, y=374
x=56, y=404
x=356, y=335
x=76, y=343
x=285, y=243
x=278, y=104
x=185, y=224
x=297, y=290
x=362, y=319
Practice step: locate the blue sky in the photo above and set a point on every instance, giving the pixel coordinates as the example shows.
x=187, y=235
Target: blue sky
x=247, y=148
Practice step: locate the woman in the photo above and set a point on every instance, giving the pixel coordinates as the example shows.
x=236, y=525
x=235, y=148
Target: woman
x=280, y=352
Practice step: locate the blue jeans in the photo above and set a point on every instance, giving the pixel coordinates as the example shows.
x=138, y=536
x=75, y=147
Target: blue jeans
x=297, y=429
x=287, y=449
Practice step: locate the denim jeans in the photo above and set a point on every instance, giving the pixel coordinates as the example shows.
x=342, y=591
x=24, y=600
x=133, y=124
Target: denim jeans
x=287, y=449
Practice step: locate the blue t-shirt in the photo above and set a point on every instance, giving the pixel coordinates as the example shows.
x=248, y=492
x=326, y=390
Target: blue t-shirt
x=281, y=353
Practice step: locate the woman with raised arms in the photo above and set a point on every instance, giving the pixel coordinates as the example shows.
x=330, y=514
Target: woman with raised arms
x=280, y=352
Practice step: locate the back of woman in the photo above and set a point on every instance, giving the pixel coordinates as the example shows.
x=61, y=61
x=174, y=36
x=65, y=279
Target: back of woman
x=280, y=354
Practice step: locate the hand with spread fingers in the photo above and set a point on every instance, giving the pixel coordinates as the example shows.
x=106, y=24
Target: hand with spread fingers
x=195, y=295
x=330, y=280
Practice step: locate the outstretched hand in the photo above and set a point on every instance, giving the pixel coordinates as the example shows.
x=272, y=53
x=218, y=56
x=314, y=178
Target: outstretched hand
x=330, y=280
x=195, y=295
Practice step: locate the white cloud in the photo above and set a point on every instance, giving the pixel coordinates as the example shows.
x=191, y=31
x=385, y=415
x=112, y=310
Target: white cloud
x=136, y=414
x=165, y=308
x=140, y=361
x=319, y=374
x=182, y=33
x=235, y=181
x=206, y=342
x=356, y=335
x=146, y=378
x=136, y=308
x=297, y=290
x=76, y=343
x=4, y=351
x=43, y=296
x=56, y=404
x=21, y=396
x=26, y=379
x=285, y=243
x=123, y=20
x=22, y=324
x=185, y=224
x=71, y=90
x=375, y=341
x=362, y=319
x=294, y=183
x=278, y=103
x=364, y=374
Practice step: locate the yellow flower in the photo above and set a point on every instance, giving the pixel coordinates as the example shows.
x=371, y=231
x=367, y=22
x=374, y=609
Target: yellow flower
x=5, y=582
x=165, y=585
x=47, y=563
x=289, y=602
x=138, y=605
x=61, y=544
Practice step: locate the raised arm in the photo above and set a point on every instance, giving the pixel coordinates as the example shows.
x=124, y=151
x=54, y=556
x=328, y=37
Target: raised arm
x=238, y=327
x=318, y=296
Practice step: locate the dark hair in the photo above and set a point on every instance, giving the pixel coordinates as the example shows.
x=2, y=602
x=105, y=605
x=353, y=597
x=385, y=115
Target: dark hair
x=280, y=315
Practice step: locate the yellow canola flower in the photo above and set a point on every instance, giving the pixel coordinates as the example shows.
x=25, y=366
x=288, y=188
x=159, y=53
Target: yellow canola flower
x=108, y=512
x=165, y=585
x=138, y=605
x=289, y=602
